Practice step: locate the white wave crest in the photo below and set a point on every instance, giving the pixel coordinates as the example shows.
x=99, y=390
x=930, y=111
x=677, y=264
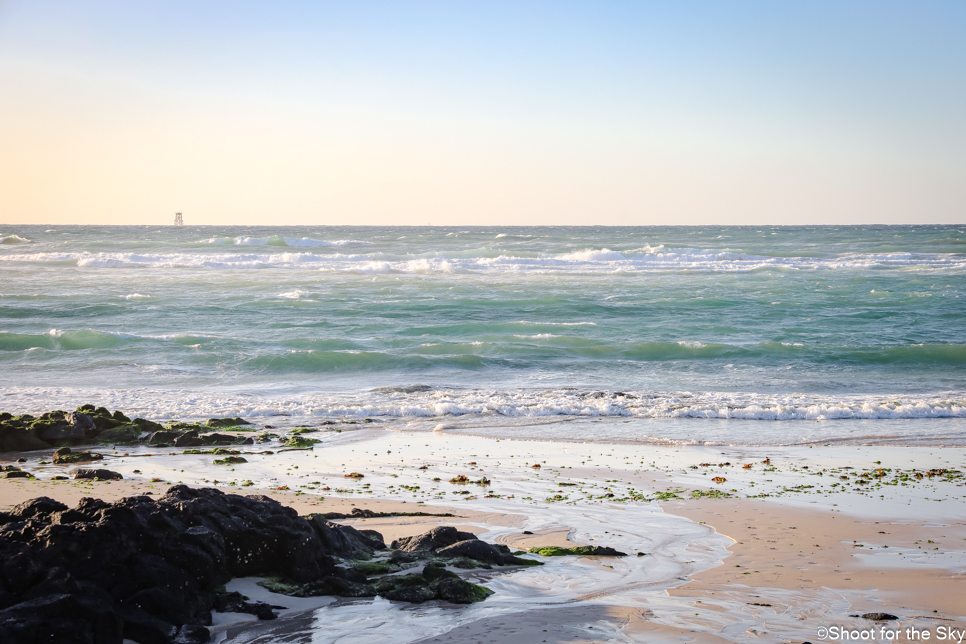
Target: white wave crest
x=589, y=261
x=490, y=412
x=305, y=241
x=10, y=240
x=591, y=255
x=297, y=294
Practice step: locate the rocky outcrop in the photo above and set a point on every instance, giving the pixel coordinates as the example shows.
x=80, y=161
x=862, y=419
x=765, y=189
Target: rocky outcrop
x=345, y=541
x=586, y=551
x=431, y=541
x=435, y=582
x=143, y=569
x=66, y=455
x=88, y=424
x=98, y=474
x=153, y=570
x=227, y=422
x=92, y=425
x=459, y=549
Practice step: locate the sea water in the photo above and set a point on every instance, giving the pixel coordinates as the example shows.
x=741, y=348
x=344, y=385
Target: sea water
x=717, y=334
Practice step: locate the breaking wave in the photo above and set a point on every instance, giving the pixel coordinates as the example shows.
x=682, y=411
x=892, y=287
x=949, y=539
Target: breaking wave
x=585, y=261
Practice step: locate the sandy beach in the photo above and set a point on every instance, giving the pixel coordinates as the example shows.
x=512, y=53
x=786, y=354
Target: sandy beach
x=760, y=555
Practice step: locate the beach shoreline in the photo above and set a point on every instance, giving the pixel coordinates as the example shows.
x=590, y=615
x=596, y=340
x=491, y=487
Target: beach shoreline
x=722, y=558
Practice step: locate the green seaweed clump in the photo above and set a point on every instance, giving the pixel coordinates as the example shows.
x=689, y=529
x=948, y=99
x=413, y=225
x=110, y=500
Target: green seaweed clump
x=65, y=455
x=226, y=422
x=230, y=460
x=586, y=551
x=372, y=568
x=711, y=494
x=299, y=442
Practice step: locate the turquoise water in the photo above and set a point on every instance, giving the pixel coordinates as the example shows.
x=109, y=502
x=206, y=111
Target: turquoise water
x=746, y=323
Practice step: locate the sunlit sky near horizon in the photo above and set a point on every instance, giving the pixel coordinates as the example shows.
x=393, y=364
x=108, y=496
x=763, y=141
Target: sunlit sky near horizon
x=460, y=113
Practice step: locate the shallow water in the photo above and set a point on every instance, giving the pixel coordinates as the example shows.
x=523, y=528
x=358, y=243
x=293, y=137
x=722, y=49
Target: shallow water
x=743, y=323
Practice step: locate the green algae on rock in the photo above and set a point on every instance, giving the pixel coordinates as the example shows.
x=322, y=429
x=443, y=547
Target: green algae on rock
x=586, y=551
x=226, y=422
x=433, y=582
x=66, y=455
x=230, y=460
x=299, y=441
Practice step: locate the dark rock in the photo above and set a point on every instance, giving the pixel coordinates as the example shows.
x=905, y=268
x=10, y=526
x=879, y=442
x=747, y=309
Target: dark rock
x=218, y=439
x=197, y=634
x=40, y=508
x=188, y=439
x=61, y=618
x=226, y=422
x=345, y=541
x=472, y=549
x=323, y=586
x=363, y=513
x=460, y=591
x=375, y=537
x=104, y=475
x=105, y=422
x=465, y=563
x=83, y=421
x=585, y=551
x=18, y=474
x=230, y=460
x=400, y=557
x=17, y=439
x=450, y=587
x=237, y=603
x=433, y=540
x=880, y=617
x=151, y=568
x=127, y=434
x=415, y=594
x=162, y=437
x=143, y=424
x=143, y=627
x=62, y=433
x=66, y=455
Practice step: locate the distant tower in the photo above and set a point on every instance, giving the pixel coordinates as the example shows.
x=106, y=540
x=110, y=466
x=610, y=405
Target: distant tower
x=178, y=221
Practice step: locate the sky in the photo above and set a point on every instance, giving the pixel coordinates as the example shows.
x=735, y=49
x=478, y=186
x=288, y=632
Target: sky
x=474, y=113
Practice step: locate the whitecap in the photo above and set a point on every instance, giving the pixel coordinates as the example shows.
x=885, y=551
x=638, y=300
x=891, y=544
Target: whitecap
x=297, y=294
x=308, y=242
x=593, y=255
x=692, y=344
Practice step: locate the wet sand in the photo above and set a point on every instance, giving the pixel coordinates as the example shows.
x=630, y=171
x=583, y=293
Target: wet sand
x=878, y=565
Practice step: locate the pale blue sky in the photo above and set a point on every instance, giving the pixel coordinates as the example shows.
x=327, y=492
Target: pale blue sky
x=486, y=112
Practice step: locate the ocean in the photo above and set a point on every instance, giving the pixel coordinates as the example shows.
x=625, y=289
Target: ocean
x=737, y=335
